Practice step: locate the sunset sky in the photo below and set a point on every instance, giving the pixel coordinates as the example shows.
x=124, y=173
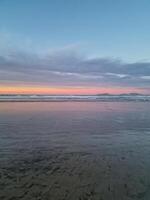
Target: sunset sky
x=74, y=46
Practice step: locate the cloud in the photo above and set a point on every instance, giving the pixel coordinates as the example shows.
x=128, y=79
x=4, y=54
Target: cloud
x=66, y=66
x=118, y=75
x=145, y=77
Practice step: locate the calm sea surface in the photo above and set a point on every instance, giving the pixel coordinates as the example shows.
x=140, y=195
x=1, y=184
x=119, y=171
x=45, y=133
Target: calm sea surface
x=75, y=151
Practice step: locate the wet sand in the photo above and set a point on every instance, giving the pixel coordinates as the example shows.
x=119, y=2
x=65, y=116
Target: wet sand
x=75, y=151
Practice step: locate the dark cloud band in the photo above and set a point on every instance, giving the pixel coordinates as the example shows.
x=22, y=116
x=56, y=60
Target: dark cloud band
x=65, y=68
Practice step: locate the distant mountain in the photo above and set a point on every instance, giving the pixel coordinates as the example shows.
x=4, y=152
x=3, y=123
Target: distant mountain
x=130, y=94
x=123, y=94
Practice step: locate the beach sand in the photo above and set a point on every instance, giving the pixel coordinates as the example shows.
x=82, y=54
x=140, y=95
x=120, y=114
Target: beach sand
x=75, y=151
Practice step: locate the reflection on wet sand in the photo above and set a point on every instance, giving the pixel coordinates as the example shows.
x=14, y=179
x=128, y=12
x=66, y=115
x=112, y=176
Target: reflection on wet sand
x=75, y=151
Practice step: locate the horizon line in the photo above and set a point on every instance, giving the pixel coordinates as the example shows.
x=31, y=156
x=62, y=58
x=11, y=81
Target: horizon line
x=130, y=93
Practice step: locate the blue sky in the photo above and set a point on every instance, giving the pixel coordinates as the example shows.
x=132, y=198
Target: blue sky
x=106, y=28
x=95, y=29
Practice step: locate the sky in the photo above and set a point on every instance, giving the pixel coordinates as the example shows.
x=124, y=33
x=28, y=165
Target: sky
x=74, y=46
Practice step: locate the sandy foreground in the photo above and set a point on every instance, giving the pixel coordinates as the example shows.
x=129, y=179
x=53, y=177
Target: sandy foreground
x=74, y=151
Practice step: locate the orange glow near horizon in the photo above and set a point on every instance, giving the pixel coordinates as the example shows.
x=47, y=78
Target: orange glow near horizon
x=67, y=90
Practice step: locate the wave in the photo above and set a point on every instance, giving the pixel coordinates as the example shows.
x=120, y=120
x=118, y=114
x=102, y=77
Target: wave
x=74, y=98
